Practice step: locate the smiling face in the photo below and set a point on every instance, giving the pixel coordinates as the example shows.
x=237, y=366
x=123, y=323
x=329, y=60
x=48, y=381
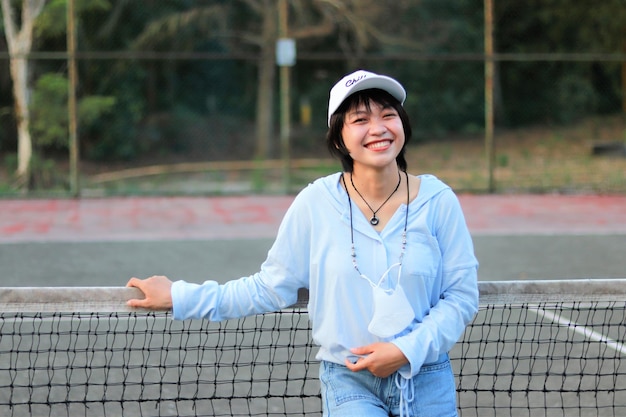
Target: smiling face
x=371, y=128
x=373, y=134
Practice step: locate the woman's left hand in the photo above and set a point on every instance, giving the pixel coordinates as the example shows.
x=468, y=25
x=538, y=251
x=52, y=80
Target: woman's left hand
x=381, y=359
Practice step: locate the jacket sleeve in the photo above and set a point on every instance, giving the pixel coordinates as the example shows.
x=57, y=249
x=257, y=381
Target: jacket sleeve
x=457, y=303
x=274, y=287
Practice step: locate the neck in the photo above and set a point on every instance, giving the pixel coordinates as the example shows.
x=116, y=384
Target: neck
x=375, y=185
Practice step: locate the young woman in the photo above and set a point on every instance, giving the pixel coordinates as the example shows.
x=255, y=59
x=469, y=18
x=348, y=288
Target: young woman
x=386, y=256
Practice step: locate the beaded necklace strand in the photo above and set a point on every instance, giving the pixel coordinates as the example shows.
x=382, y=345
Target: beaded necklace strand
x=406, y=221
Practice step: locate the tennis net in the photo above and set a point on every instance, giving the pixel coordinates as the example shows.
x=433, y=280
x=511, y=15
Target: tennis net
x=535, y=348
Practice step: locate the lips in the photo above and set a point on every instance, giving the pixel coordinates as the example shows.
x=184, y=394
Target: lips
x=382, y=144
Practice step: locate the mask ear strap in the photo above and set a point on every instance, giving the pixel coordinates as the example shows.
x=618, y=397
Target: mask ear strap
x=386, y=275
x=369, y=281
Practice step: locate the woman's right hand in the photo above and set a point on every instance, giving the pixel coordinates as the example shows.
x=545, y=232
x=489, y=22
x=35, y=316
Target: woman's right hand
x=157, y=291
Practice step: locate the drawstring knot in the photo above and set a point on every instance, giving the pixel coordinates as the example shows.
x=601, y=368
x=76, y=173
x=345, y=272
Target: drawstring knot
x=405, y=385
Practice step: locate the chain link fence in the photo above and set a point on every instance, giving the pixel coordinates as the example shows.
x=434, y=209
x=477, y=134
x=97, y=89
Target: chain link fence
x=186, y=120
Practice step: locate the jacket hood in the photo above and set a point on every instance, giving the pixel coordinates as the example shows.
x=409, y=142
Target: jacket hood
x=333, y=190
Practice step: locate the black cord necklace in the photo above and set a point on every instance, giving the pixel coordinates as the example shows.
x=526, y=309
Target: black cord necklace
x=406, y=222
x=374, y=220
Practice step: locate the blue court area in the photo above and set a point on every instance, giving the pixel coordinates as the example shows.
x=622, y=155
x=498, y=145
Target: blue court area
x=502, y=257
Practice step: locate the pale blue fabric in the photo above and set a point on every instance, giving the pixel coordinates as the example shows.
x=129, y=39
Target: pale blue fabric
x=312, y=250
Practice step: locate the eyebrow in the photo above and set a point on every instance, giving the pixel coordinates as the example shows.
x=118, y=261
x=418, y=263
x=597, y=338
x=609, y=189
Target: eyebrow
x=358, y=112
x=367, y=110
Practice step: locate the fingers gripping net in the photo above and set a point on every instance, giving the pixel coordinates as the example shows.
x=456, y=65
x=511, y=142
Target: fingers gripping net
x=536, y=348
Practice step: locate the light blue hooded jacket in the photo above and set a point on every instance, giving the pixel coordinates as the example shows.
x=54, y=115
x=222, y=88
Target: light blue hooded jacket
x=313, y=250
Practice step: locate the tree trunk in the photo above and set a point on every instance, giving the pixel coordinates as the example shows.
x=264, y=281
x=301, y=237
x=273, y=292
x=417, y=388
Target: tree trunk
x=20, y=44
x=624, y=73
x=265, y=89
x=21, y=93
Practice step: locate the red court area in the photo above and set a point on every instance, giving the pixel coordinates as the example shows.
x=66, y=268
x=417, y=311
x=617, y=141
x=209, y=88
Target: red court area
x=179, y=218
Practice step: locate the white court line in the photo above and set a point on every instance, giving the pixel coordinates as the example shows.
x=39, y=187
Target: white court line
x=582, y=330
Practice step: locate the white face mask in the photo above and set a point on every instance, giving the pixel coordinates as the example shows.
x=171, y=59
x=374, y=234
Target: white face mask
x=392, y=310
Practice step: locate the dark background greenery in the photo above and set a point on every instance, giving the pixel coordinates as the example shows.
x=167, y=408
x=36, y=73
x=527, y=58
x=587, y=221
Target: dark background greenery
x=144, y=100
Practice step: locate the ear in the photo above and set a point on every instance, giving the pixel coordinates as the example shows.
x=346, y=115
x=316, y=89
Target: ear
x=337, y=142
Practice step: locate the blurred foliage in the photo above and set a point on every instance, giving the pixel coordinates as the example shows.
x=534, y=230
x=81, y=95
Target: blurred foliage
x=50, y=116
x=550, y=90
x=148, y=98
x=53, y=23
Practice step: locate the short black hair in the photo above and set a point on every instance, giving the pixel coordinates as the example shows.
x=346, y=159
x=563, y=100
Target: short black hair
x=334, y=140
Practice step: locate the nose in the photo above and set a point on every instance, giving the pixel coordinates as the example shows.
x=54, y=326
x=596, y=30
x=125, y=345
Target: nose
x=377, y=126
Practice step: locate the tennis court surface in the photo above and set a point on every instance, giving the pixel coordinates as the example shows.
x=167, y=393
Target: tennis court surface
x=536, y=348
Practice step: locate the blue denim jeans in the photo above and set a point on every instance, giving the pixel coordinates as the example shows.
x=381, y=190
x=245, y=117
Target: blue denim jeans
x=361, y=394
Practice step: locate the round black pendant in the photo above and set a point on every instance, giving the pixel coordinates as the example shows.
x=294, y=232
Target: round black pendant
x=374, y=221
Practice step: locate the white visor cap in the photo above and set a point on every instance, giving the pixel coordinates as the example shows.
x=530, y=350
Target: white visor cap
x=362, y=80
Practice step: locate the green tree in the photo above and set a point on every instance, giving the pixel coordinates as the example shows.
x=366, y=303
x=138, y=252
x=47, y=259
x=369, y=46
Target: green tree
x=49, y=111
x=19, y=33
x=37, y=19
x=251, y=27
x=562, y=90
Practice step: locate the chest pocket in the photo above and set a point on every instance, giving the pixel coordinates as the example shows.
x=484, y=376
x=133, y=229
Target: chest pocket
x=422, y=268
x=423, y=256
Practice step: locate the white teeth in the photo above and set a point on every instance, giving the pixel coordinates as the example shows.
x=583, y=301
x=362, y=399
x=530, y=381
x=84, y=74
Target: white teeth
x=378, y=145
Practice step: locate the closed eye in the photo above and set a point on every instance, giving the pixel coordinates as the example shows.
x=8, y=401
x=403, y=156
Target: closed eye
x=358, y=117
x=390, y=114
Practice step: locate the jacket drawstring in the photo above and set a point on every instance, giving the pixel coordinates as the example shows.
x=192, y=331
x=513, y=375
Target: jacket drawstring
x=405, y=385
